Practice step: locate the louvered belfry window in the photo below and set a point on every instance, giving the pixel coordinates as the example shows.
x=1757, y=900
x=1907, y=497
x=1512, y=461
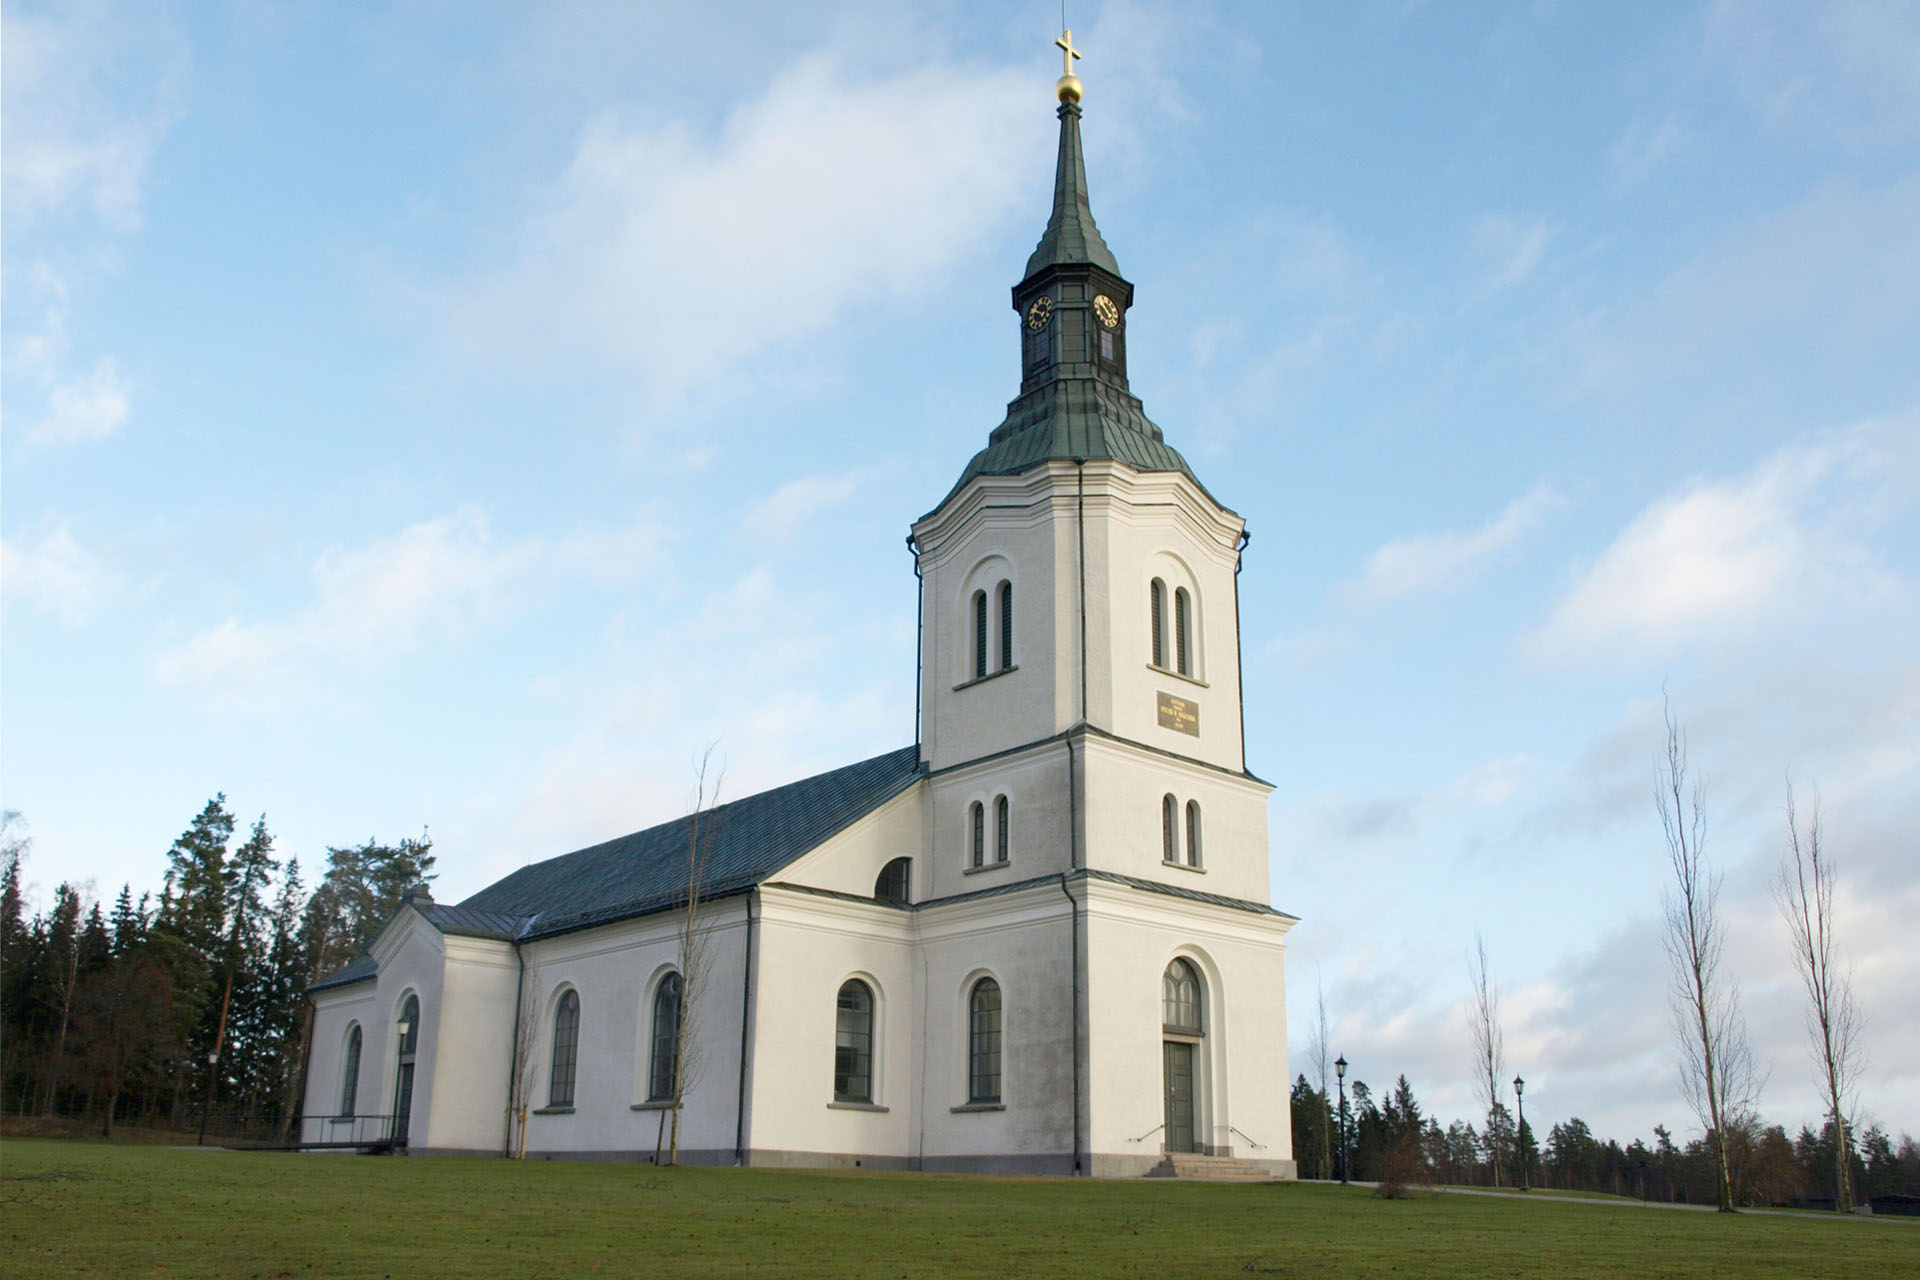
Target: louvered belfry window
x=1006, y=625
x=1182, y=614
x=1157, y=602
x=979, y=634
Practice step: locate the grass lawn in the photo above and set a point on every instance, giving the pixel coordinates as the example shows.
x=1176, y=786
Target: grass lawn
x=92, y=1209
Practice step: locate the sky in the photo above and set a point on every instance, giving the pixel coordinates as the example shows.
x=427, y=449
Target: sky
x=454, y=416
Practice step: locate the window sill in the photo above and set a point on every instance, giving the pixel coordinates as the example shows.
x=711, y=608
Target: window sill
x=856, y=1106
x=991, y=675
x=553, y=1111
x=653, y=1104
x=1181, y=866
x=980, y=1106
x=1169, y=671
x=987, y=866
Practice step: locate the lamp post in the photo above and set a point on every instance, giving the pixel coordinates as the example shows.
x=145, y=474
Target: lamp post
x=206, y=1103
x=1520, y=1134
x=1340, y=1072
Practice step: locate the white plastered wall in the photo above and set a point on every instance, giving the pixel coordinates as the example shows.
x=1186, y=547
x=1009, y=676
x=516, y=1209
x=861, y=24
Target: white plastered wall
x=1124, y=788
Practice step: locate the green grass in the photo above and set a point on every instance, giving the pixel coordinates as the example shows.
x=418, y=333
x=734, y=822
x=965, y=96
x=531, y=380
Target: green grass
x=93, y=1209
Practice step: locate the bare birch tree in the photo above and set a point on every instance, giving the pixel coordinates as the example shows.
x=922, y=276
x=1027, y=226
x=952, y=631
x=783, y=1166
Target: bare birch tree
x=1803, y=890
x=1317, y=1054
x=526, y=1034
x=1718, y=1074
x=689, y=1043
x=1489, y=1044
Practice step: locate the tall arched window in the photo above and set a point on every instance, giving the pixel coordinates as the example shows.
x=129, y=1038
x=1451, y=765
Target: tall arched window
x=662, y=1069
x=350, y=1079
x=1182, y=624
x=1180, y=1003
x=895, y=884
x=1193, y=833
x=566, y=1049
x=1157, y=604
x=979, y=634
x=977, y=816
x=407, y=1031
x=983, y=1042
x=1005, y=594
x=1169, y=828
x=853, y=1043
x=1000, y=831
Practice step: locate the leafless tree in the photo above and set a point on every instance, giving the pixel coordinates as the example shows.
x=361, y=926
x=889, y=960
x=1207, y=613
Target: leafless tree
x=1489, y=1043
x=1803, y=889
x=1718, y=1073
x=694, y=941
x=1317, y=1054
x=520, y=1083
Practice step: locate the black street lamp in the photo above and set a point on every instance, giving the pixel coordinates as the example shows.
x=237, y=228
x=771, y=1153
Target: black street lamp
x=1520, y=1135
x=1340, y=1072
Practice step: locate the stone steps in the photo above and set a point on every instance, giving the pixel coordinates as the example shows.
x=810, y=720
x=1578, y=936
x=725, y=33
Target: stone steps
x=1182, y=1164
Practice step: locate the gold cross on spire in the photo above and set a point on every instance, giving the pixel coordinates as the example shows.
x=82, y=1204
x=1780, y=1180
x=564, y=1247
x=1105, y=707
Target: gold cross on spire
x=1069, y=88
x=1067, y=52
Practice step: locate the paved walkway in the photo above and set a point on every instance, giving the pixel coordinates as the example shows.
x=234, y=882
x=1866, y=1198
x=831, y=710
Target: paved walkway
x=1625, y=1203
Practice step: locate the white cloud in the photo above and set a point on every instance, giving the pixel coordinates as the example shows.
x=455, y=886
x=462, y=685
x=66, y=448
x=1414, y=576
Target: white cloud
x=89, y=95
x=793, y=504
x=1509, y=249
x=54, y=574
x=374, y=603
x=1720, y=558
x=1444, y=560
x=91, y=407
x=679, y=256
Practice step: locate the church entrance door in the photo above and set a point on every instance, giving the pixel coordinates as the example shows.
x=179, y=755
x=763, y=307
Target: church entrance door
x=1179, y=1095
x=407, y=1031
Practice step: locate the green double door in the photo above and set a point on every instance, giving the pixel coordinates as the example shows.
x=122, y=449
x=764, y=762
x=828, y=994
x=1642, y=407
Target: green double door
x=1178, y=1074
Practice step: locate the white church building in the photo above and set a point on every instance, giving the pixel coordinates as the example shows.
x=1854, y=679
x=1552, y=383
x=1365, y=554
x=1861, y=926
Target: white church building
x=1039, y=940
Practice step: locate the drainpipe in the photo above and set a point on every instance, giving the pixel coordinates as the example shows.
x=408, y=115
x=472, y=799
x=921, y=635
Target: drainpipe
x=513, y=1047
x=919, y=633
x=1080, y=523
x=1073, y=917
x=746, y=1038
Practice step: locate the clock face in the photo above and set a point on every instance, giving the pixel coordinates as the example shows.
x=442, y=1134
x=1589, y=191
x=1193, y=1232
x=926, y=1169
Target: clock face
x=1108, y=311
x=1039, y=313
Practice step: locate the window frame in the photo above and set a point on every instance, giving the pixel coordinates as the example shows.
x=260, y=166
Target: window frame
x=350, y=1072
x=853, y=1055
x=563, y=1061
x=977, y=821
x=882, y=891
x=1004, y=594
x=1157, y=609
x=1194, y=833
x=664, y=1050
x=1171, y=1003
x=1002, y=830
x=1182, y=632
x=979, y=667
x=986, y=1041
x=1170, y=829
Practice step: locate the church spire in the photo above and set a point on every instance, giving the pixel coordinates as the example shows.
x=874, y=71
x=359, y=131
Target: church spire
x=1071, y=236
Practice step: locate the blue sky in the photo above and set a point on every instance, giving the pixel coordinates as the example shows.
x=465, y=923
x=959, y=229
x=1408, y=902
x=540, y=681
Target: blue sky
x=456, y=415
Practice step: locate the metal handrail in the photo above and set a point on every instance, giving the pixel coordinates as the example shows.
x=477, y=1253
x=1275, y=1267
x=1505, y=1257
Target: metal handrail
x=1257, y=1146
x=358, y=1130
x=1149, y=1133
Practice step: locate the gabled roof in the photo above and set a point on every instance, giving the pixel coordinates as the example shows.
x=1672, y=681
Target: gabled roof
x=746, y=841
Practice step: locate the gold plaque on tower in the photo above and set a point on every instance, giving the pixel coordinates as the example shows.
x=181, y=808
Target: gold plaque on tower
x=1179, y=714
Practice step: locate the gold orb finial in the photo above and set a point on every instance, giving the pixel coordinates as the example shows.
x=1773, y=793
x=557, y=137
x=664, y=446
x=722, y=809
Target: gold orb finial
x=1068, y=88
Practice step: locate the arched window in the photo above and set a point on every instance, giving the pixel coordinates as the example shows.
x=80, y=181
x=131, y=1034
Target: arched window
x=1157, y=601
x=1193, y=833
x=663, y=1069
x=1006, y=625
x=350, y=1081
x=1180, y=1004
x=1182, y=624
x=979, y=634
x=978, y=816
x=853, y=1043
x=983, y=1042
x=895, y=884
x=407, y=1031
x=1169, y=828
x=1000, y=832
x=566, y=1049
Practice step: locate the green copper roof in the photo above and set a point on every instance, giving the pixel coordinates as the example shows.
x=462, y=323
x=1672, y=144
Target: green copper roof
x=1071, y=236
x=1070, y=418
